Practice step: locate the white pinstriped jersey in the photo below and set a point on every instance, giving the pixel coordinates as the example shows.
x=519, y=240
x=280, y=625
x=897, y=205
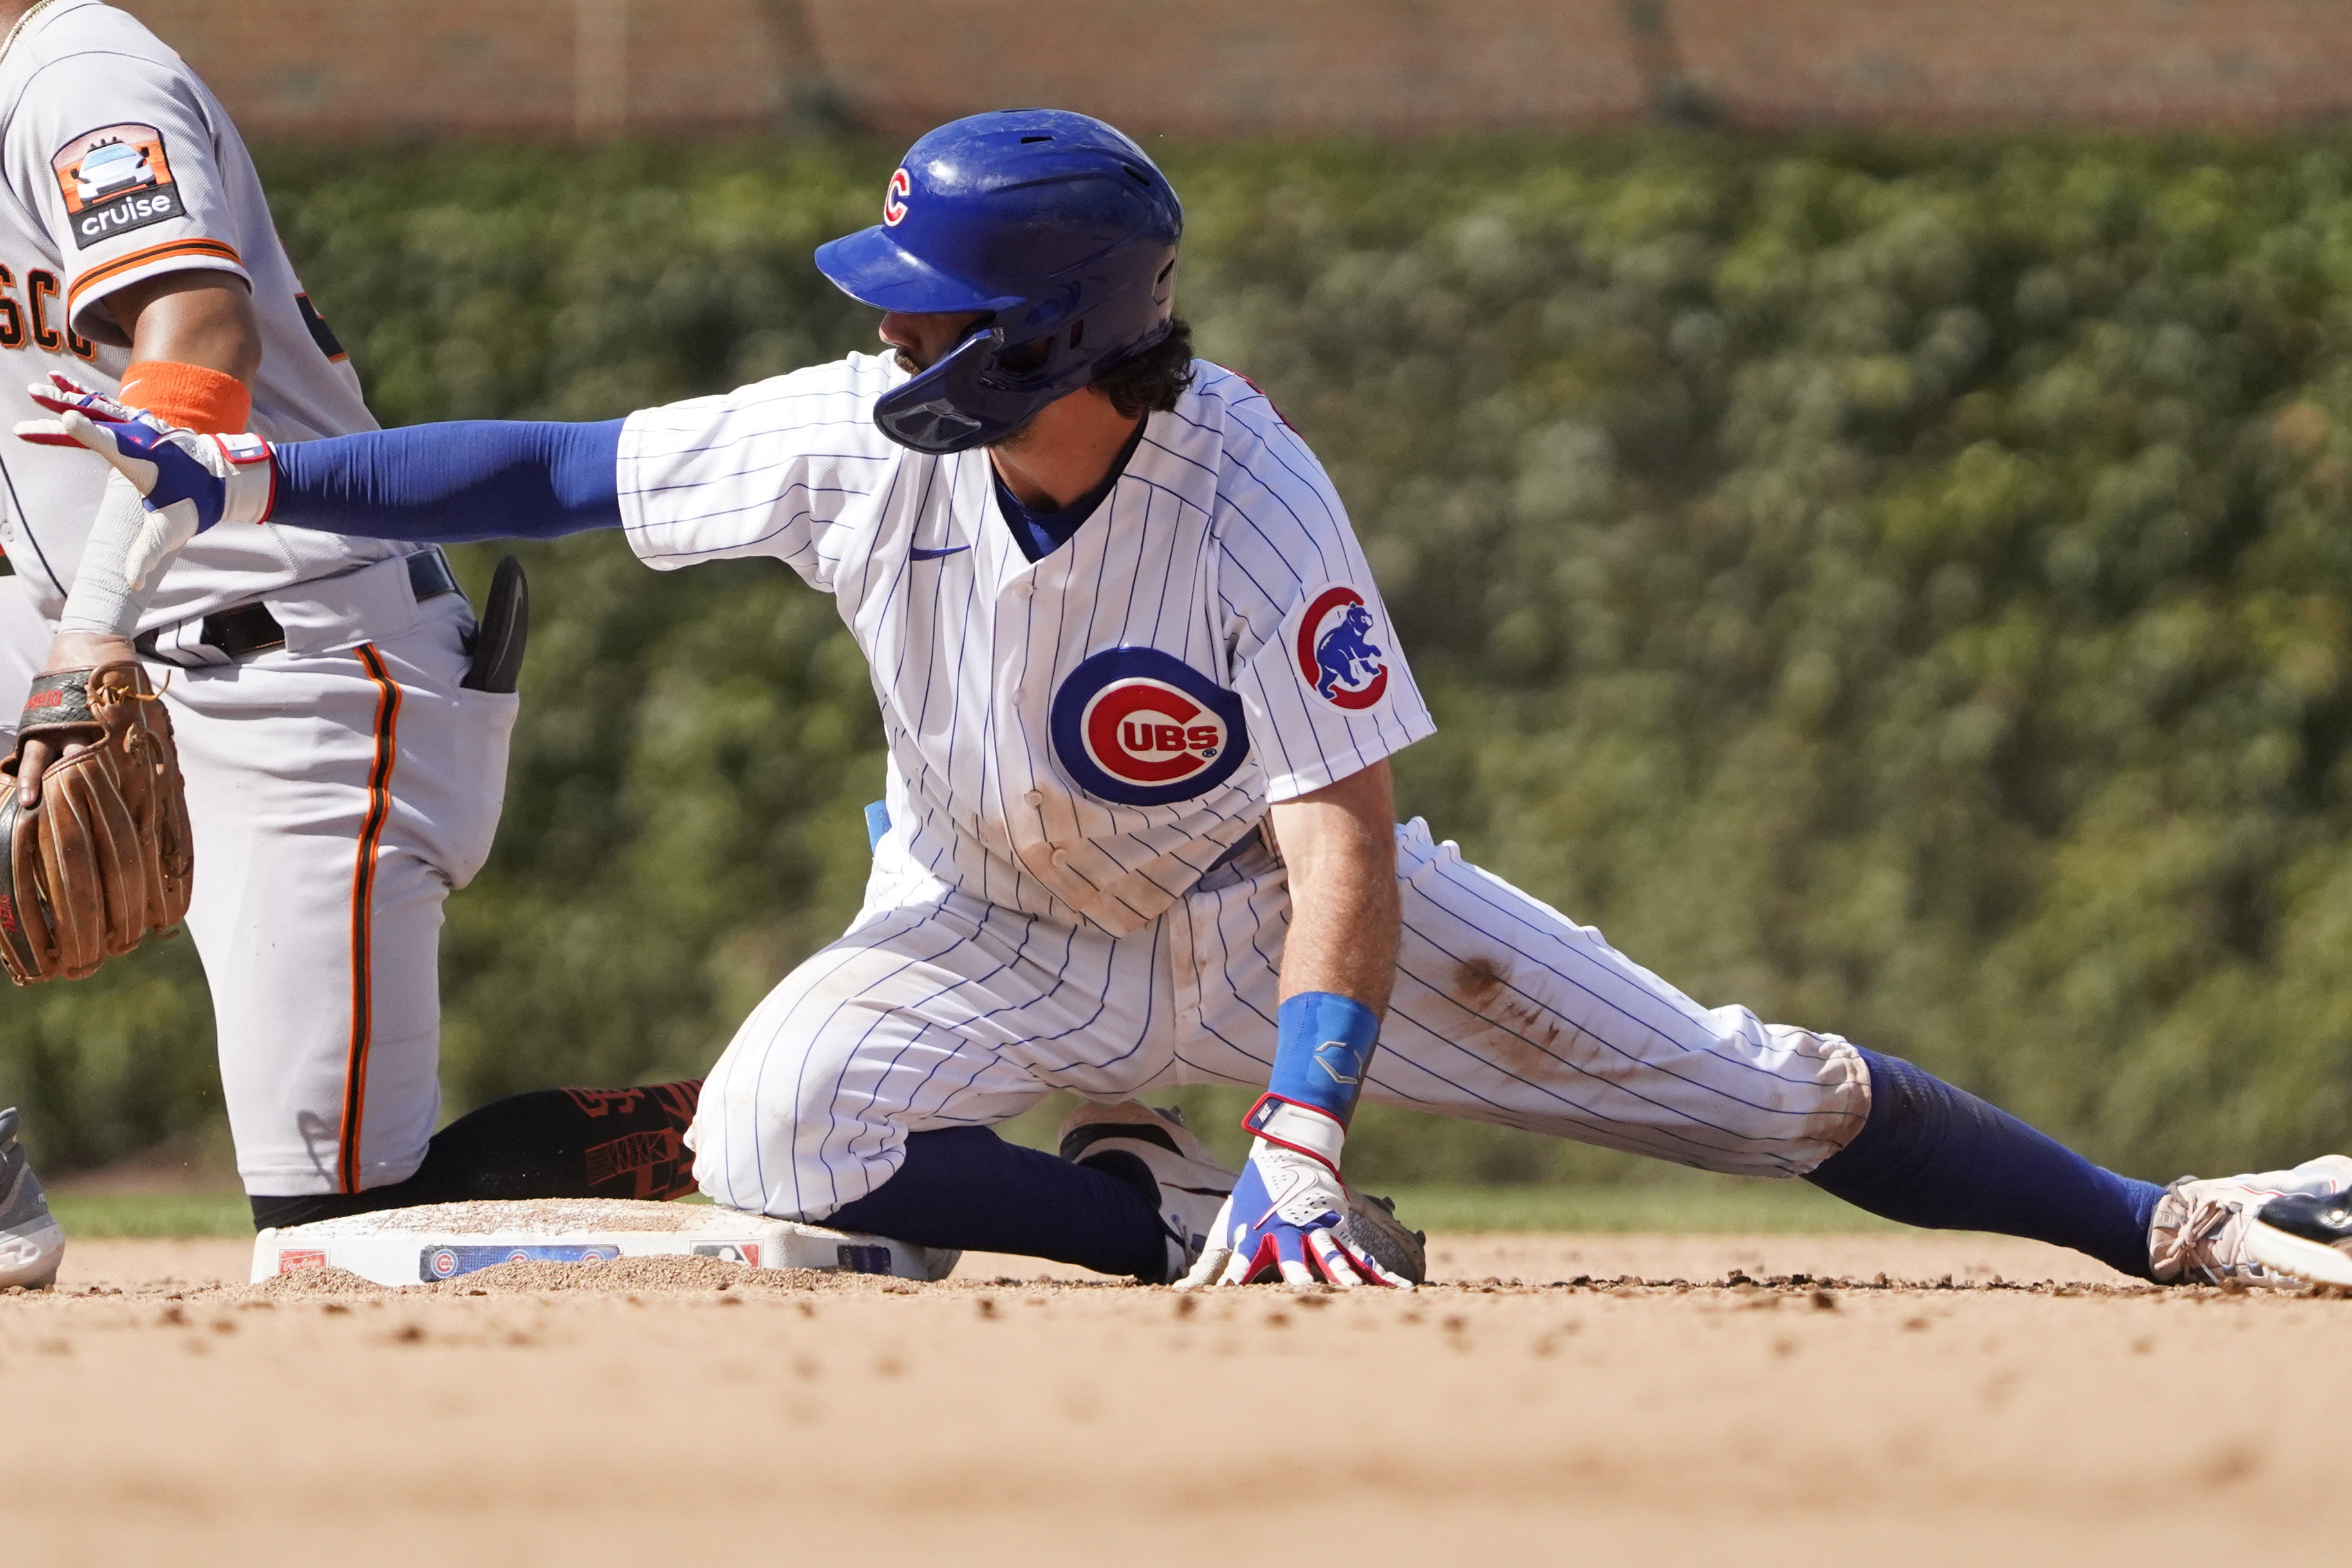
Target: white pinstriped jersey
x=1081, y=736
x=121, y=166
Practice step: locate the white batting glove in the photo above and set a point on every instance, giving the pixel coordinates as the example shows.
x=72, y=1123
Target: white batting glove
x=1283, y=1218
x=189, y=483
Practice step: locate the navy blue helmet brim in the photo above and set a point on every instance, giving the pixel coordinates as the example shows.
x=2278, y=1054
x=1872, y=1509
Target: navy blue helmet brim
x=872, y=269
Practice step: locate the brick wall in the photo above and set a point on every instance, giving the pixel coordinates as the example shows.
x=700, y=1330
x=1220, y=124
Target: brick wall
x=540, y=68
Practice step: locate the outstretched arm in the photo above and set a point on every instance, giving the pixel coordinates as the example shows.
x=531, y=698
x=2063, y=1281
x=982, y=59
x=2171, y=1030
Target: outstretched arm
x=443, y=484
x=449, y=484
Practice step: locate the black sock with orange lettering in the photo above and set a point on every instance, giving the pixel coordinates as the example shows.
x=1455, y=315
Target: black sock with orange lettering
x=546, y=1143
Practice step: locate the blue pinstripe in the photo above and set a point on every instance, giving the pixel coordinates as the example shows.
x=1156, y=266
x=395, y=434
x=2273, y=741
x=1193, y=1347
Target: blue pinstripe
x=1114, y=1015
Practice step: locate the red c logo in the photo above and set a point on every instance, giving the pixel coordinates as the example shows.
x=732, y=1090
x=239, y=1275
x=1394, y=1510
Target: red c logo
x=894, y=200
x=1145, y=732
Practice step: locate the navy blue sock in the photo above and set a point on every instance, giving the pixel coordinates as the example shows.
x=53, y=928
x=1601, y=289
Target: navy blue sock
x=966, y=1187
x=1934, y=1156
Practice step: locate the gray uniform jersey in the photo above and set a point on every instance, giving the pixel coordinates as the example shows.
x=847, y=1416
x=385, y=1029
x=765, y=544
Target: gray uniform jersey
x=121, y=166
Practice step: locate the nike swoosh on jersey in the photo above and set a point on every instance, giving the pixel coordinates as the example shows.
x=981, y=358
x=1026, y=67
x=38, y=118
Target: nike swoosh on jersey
x=918, y=553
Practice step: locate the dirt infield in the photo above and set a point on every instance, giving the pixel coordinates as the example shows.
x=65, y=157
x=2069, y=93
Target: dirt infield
x=1640, y=1399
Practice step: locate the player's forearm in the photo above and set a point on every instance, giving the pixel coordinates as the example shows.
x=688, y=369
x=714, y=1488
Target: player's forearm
x=1340, y=844
x=448, y=484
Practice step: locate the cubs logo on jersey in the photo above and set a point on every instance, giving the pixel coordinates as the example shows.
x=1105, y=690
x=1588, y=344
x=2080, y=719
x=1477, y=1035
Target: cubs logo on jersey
x=1333, y=639
x=1137, y=726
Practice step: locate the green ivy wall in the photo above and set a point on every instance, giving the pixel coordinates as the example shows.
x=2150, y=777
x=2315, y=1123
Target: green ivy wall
x=1902, y=586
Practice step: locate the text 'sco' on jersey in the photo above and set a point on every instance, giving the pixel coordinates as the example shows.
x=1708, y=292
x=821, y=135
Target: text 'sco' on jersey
x=1082, y=735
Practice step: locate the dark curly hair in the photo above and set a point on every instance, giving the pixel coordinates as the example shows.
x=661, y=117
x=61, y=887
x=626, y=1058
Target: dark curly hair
x=1153, y=379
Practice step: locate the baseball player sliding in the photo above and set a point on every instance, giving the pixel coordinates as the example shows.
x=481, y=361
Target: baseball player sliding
x=341, y=722
x=1139, y=693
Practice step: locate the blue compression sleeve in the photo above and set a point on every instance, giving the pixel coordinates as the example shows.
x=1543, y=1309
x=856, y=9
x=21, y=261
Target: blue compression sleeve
x=1931, y=1154
x=447, y=484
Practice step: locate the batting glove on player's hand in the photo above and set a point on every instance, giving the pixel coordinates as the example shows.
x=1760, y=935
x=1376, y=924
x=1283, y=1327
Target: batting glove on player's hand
x=1285, y=1215
x=189, y=483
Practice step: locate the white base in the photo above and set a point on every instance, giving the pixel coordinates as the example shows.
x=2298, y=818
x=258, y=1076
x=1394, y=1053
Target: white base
x=445, y=1241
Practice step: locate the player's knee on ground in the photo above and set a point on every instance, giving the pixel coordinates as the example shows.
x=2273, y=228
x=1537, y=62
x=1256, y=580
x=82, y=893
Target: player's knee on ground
x=789, y=1143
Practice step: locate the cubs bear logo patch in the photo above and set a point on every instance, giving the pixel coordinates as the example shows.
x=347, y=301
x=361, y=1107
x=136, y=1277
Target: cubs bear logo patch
x=1334, y=641
x=1137, y=726
x=115, y=179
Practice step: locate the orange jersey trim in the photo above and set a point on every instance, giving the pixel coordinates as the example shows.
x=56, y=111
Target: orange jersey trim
x=217, y=250
x=379, y=807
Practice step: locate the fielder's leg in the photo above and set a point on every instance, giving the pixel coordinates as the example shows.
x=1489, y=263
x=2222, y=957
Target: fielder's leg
x=544, y=1143
x=336, y=798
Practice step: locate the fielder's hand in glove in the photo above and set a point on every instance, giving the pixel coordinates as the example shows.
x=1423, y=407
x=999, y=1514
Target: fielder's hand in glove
x=1288, y=1217
x=189, y=483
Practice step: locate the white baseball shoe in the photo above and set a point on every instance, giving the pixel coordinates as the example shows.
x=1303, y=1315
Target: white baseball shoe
x=1153, y=1149
x=30, y=1242
x=2278, y=1228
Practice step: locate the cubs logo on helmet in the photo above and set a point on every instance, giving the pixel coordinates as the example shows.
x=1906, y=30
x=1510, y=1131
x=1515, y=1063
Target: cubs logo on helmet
x=894, y=199
x=1140, y=727
x=1338, y=656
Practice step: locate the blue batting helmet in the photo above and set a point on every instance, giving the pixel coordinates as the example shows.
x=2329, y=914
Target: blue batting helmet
x=1056, y=226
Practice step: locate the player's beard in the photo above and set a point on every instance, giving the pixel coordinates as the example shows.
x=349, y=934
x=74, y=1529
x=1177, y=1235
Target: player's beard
x=1015, y=439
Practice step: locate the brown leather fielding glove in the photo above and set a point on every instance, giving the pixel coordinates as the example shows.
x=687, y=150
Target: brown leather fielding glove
x=108, y=857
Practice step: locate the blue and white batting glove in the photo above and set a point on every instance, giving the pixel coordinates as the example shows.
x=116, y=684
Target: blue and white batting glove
x=189, y=483
x=1284, y=1218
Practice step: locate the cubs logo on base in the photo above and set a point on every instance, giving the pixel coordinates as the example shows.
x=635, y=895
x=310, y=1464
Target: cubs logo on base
x=1337, y=656
x=1141, y=727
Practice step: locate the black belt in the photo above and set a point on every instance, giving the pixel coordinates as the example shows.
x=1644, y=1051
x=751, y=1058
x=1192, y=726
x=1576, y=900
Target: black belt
x=1222, y=871
x=251, y=628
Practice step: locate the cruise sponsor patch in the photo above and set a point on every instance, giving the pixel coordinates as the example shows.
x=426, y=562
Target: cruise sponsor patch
x=1141, y=727
x=116, y=179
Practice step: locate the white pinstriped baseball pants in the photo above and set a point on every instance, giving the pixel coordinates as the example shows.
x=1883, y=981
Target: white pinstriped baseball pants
x=940, y=1010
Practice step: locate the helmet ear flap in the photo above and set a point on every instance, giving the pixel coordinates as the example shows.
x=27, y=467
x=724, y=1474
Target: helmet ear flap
x=942, y=409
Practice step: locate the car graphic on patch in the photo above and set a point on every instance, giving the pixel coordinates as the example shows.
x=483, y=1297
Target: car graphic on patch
x=110, y=169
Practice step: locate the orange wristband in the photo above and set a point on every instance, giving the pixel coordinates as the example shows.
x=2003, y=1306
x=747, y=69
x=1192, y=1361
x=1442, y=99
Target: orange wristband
x=188, y=395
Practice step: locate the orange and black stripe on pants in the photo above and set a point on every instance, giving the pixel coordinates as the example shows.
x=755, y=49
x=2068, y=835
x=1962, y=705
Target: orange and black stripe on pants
x=379, y=807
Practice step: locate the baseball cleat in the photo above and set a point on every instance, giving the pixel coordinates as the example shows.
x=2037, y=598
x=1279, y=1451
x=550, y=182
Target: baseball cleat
x=1371, y=1227
x=1154, y=1151
x=2278, y=1228
x=30, y=1242
x=1138, y=1144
